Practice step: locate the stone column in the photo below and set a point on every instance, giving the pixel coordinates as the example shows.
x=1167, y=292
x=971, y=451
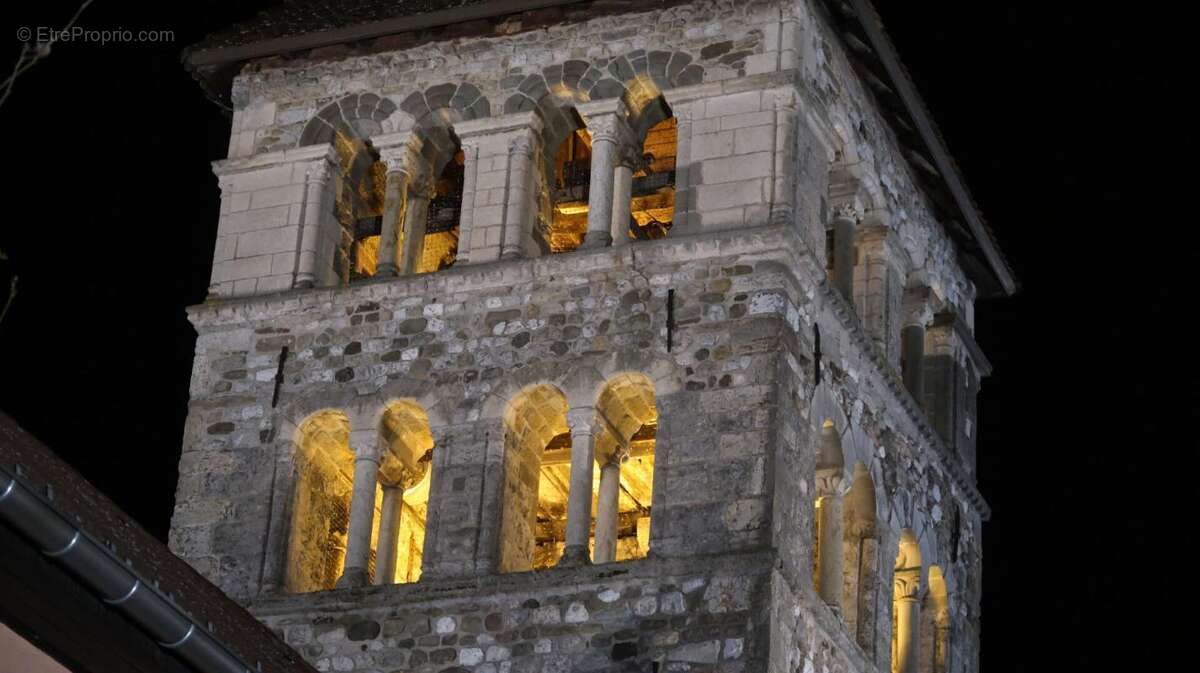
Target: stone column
x=609, y=131
x=908, y=620
x=520, y=194
x=683, y=157
x=906, y=582
x=389, y=529
x=579, y=499
x=830, y=465
x=622, y=201
x=416, y=211
x=362, y=515
x=606, y=512
x=400, y=162
x=845, y=219
x=466, y=218
x=940, y=376
x=878, y=287
x=312, y=210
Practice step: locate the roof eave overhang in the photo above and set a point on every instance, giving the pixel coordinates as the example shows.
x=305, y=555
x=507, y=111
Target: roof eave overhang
x=200, y=58
x=873, y=56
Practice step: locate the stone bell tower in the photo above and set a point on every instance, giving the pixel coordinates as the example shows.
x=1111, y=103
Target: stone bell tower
x=549, y=336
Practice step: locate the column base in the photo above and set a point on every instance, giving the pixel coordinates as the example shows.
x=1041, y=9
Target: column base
x=574, y=556
x=352, y=578
x=304, y=285
x=511, y=254
x=385, y=269
x=596, y=239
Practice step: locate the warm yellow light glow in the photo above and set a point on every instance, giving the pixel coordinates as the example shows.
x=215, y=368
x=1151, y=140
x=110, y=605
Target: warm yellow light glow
x=321, y=505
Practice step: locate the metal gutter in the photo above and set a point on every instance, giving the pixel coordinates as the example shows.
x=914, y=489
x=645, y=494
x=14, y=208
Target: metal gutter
x=112, y=580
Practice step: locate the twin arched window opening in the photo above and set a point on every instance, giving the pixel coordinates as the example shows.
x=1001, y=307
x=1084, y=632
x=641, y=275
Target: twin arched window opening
x=846, y=568
x=397, y=225
x=644, y=179
x=578, y=483
x=358, y=514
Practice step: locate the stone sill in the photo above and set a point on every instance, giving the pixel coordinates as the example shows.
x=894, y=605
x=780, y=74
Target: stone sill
x=499, y=275
x=428, y=592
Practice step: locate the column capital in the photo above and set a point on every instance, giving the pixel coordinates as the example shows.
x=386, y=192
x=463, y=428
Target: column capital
x=847, y=211
x=906, y=583
x=400, y=158
x=829, y=482
x=582, y=420
x=608, y=120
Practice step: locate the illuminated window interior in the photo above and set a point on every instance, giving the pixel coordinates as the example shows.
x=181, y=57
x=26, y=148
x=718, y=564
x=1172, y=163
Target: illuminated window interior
x=653, y=199
x=358, y=199
x=442, y=222
x=537, y=474
x=571, y=179
x=321, y=505
x=627, y=406
x=405, y=472
x=652, y=202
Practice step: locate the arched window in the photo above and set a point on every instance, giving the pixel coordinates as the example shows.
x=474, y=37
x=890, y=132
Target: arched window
x=623, y=485
x=569, y=180
x=440, y=244
x=935, y=625
x=537, y=477
x=827, y=547
x=652, y=197
x=358, y=206
x=861, y=560
x=320, y=503
x=906, y=605
x=402, y=503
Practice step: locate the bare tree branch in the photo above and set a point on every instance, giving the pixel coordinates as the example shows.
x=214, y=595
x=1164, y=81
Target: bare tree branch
x=30, y=56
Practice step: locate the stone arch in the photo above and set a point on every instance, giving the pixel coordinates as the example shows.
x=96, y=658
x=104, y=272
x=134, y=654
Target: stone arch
x=360, y=114
x=861, y=559
x=663, y=374
x=425, y=393
x=578, y=383
x=637, y=77
x=435, y=111
x=320, y=512
x=533, y=508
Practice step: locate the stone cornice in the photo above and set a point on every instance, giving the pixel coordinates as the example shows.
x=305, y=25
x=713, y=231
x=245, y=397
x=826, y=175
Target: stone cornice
x=268, y=159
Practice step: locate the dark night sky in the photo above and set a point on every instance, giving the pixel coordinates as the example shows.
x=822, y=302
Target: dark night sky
x=1053, y=113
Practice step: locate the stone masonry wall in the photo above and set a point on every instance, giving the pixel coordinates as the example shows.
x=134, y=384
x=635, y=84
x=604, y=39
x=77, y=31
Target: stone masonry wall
x=650, y=615
x=734, y=448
